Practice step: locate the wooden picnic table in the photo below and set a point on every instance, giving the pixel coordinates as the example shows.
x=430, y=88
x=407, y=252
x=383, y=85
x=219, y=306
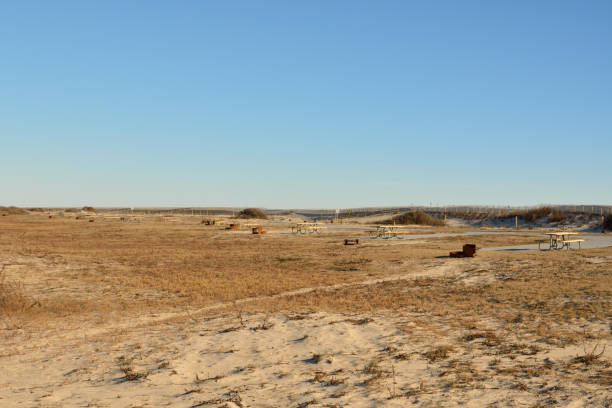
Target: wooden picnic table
x=560, y=240
x=306, y=227
x=386, y=231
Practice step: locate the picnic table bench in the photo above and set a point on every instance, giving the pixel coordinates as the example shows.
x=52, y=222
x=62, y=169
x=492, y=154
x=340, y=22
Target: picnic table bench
x=306, y=227
x=560, y=240
x=386, y=231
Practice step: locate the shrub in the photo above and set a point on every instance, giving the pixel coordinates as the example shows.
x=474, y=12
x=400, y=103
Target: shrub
x=12, y=298
x=607, y=223
x=13, y=210
x=415, y=217
x=88, y=209
x=534, y=214
x=253, y=213
x=557, y=216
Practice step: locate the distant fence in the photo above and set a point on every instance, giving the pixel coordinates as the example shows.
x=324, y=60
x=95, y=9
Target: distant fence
x=327, y=214
x=464, y=210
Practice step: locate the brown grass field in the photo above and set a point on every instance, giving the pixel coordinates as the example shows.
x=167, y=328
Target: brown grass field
x=176, y=313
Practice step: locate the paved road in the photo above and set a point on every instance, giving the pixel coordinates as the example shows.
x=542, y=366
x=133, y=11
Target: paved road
x=592, y=241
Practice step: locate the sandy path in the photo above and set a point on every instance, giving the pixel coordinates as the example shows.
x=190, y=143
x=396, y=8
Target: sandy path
x=436, y=271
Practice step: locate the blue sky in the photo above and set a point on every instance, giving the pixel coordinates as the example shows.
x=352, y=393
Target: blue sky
x=305, y=104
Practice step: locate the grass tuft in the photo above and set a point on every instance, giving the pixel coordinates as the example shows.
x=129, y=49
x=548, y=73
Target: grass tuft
x=589, y=357
x=12, y=297
x=12, y=210
x=414, y=217
x=438, y=353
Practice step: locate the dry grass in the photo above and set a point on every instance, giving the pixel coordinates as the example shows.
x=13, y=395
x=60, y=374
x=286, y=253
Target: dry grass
x=414, y=218
x=118, y=269
x=12, y=210
x=590, y=357
x=530, y=215
x=375, y=373
x=12, y=298
x=534, y=214
x=536, y=300
x=491, y=317
x=438, y=353
x=129, y=373
x=154, y=266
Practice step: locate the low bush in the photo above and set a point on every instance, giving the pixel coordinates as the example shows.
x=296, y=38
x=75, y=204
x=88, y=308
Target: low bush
x=12, y=298
x=414, y=217
x=13, y=210
x=607, y=223
x=253, y=213
x=534, y=214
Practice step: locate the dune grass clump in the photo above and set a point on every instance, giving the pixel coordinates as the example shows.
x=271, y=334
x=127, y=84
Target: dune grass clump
x=534, y=214
x=13, y=210
x=253, y=213
x=607, y=223
x=415, y=217
x=12, y=298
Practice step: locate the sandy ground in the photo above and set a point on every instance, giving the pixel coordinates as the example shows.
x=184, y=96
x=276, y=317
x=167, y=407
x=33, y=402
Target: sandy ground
x=318, y=359
x=291, y=349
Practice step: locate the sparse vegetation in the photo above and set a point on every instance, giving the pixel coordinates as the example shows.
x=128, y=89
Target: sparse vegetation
x=530, y=215
x=264, y=325
x=534, y=214
x=88, y=208
x=232, y=396
x=129, y=374
x=12, y=210
x=438, y=353
x=253, y=213
x=607, y=223
x=12, y=297
x=504, y=310
x=375, y=371
x=590, y=357
x=414, y=217
x=329, y=379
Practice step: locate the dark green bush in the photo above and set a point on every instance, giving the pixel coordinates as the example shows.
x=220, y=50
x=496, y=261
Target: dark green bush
x=253, y=213
x=607, y=223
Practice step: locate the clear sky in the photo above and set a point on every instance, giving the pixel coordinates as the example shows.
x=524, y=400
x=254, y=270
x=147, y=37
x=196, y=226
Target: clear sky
x=305, y=104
